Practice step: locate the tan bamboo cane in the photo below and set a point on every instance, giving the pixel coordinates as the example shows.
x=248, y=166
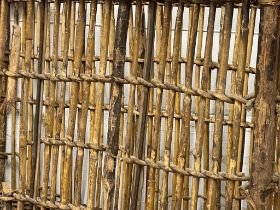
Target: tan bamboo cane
x=131, y=102
x=100, y=159
x=54, y=148
x=115, y=103
x=186, y=179
x=232, y=90
x=159, y=26
x=243, y=112
x=11, y=91
x=3, y=106
x=65, y=198
x=175, y=96
x=237, y=104
x=93, y=155
x=265, y=106
x=24, y=105
x=85, y=103
x=39, y=100
x=162, y=56
x=140, y=127
x=219, y=109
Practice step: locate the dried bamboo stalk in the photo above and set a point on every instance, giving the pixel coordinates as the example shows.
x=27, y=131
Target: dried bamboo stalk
x=154, y=150
x=185, y=136
x=85, y=103
x=265, y=106
x=11, y=93
x=159, y=26
x=93, y=154
x=131, y=102
x=78, y=53
x=243, y=42
x=219, y=107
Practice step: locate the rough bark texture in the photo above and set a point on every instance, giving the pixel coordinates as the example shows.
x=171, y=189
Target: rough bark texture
x=264, y=131
x=115, y=103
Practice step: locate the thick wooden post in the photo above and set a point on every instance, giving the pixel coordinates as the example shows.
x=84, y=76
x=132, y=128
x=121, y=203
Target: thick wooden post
x=264, y=130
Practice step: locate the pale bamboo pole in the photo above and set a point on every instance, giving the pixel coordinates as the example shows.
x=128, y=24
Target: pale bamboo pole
x=54, y=148
x=24, y=105
x=12, y=92
x=243, y=112
x=186, y=179
x=39, y=101
x=85, y=103
x=219, y=107
x=115, y=104
x=93, y=155
x=4, y=41
x=159, y=26
x=265, y=106
x=66, y=35
x=131, y=102
x=48, y=129
x=162, y=62
x=78, y=53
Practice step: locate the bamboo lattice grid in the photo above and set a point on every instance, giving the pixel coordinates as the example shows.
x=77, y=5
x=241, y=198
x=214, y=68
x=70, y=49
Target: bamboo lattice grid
x=139, y=104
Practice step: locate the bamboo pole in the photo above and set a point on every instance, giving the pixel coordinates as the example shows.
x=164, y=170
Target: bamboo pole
x=219, y=108
x=24, y=106
x=157, y=125
x=266, y=82
x=243, y=43
x=93, y=155
x=115, y=104
x=185, y=137
x=131, y=102
x=4, y=32
x=159, y=26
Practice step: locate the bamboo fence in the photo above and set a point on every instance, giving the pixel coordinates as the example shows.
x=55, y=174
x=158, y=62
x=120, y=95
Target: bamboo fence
x=127, y=105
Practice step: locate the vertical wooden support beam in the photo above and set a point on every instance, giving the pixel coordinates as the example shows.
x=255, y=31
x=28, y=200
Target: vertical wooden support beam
x=115, y=103
x=264, y=130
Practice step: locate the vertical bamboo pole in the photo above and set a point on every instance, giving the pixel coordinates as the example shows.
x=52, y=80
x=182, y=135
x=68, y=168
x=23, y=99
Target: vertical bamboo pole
x=54, y=148
x=159, y=25
x=154, y=152
x=130, y=114
x=185, y=136
x=264, y=130
x=24, y=105
x=219, y=107
x=140, y=127
x=78, y=53
x=115, y=103
x=243, y=42
x=174, y=96
x=93, y=155
x=12, y=90
x=3, y=40
x=41, y=32
x=245, y=92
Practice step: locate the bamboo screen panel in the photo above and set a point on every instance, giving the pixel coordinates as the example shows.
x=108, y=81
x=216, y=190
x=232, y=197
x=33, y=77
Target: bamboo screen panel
x=139, y=105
